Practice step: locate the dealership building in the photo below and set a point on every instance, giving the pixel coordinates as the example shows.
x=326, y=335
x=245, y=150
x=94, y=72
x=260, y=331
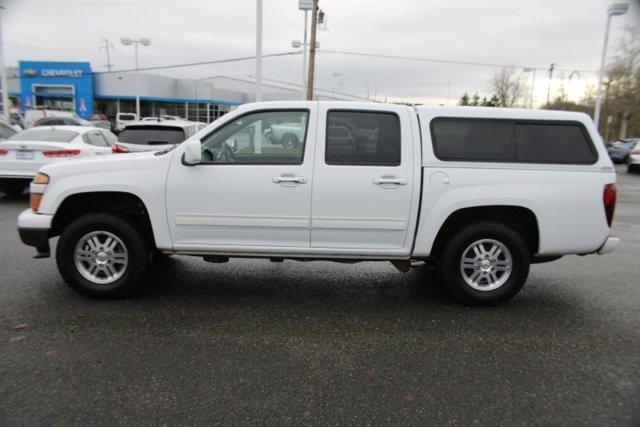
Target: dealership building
x=73, y=86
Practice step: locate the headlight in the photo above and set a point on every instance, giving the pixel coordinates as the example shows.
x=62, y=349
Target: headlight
x=38, y=186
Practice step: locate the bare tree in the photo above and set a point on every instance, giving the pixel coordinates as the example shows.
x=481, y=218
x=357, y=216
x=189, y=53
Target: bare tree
x=508, y=86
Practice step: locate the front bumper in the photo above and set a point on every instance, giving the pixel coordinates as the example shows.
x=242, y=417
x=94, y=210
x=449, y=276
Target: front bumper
x=609, y=245
x=33, y=229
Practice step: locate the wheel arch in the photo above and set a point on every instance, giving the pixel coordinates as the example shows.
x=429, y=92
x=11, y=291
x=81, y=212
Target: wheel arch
x=521, y=218
x=119, y=203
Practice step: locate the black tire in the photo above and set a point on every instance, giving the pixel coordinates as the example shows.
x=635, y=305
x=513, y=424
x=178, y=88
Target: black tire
x=451, y=257
x=632, y=168
x=139, y=255
x=13, y=188
x=289, y=141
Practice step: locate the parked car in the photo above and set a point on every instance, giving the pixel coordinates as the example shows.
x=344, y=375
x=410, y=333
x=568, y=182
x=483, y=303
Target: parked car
x=32, y=115
x=155, y=135
x=6, y=130
x=24, y=153
x=633, y=161
x=619, y=150
x=62, y=121
x=479, y=192
x=159, y=118
x=122, y=119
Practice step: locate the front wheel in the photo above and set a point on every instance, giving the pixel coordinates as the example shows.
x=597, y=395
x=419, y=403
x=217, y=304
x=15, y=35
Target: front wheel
x=102, y=256
x=485, y=263
x=289, y=141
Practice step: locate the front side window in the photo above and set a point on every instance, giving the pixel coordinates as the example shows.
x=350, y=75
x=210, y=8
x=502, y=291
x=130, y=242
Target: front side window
x=268, y=137
x=49, y=135
x=362, y=138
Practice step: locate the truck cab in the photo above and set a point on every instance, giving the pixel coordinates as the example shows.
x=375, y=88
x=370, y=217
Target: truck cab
x=479, y=192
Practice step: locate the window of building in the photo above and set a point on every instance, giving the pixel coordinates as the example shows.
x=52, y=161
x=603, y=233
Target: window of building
x=269, y=137
x=362, y=138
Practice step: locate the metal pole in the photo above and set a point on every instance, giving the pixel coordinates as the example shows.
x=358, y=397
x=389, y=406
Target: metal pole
x=197, y=105
x=551, y=67
x=258, y=50
x=304, y=58
x=448, y=91
x=137, y=82
x=3, y=77
x=596, y=111
x=312, y=51
x=533, y=83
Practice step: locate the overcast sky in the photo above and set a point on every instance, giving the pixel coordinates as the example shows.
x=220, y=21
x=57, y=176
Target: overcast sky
x=521, y=32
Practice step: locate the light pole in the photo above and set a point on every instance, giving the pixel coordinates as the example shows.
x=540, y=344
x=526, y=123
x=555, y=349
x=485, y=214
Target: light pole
x=615, y=9
x=258, y=51
x=128, y=42
x=533, y=83
x=3, y=77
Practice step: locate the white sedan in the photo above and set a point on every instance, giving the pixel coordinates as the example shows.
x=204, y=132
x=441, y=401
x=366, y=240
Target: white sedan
x=633, y=163
x=24, y=153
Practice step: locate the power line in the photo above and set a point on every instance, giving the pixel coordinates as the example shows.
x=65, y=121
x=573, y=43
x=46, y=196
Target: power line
x=441, y=61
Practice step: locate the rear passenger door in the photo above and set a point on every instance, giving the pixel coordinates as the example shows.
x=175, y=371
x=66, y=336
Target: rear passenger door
x=364, y=180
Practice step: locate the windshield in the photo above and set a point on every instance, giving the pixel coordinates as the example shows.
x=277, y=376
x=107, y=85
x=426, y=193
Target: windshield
x=152, y=135
x=50, y=135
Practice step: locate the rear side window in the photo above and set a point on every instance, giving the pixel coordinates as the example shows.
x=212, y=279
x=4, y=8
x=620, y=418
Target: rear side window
x=152, y=135
x=480, y=140
x=490, y=140
x=362, y=138
x=557, y=143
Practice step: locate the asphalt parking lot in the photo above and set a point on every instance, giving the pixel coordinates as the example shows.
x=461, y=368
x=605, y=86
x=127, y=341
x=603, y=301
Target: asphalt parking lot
x=320, y=343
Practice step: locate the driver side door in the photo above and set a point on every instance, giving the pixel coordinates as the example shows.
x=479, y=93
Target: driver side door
x=250, y=191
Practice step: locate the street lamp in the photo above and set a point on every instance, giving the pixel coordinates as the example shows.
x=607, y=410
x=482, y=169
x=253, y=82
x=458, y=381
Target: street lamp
x=533, y=82
x=615, y=9
x=135, y=42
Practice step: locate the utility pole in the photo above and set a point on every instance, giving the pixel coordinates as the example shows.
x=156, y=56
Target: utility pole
x=551, y=67
x=258, y=51
x=107, y=45
x=3, y=77
x=312, y=50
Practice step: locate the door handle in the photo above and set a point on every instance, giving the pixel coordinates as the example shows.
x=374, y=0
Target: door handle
x=290, y=179
x=390, y=181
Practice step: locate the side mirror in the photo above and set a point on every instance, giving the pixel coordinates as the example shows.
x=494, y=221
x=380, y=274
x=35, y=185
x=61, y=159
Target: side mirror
x=233, y=144
x=193, y=152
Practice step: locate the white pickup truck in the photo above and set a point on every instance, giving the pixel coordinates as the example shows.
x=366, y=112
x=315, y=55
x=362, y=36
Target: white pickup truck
x=480, y=192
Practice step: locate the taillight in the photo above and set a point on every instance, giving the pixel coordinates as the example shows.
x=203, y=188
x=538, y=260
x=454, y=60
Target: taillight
x=609, y=199
x=119, y=149
x=3, y=152
x=636, y=151
x=60, y=153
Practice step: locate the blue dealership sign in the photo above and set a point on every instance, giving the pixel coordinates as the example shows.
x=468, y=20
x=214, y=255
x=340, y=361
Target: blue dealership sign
x=57, y=85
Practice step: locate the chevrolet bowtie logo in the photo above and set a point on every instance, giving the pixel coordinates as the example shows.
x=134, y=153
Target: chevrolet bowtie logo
x=30, y=72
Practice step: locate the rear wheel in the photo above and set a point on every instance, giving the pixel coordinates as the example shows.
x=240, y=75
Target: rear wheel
x=102, y=256
x=485, y=263
x=289, y=140
x=633, y=168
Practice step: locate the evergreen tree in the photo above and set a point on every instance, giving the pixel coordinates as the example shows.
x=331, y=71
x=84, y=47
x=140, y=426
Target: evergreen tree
x=464, y=100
